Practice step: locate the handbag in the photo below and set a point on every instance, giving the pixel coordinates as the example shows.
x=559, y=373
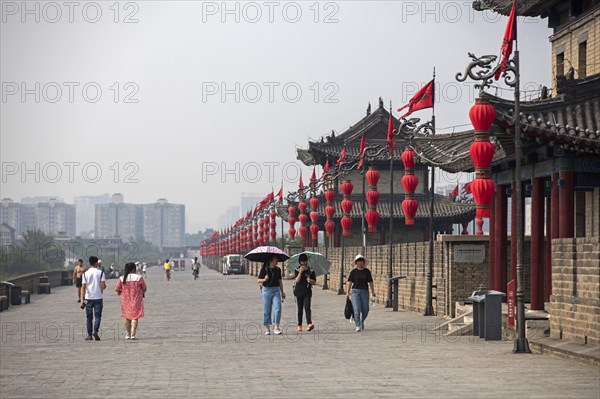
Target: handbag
x=348, y=309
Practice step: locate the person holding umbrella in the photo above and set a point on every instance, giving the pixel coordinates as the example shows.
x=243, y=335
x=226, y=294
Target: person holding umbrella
x=304, y=278
x=272, y=294
x=357, y=289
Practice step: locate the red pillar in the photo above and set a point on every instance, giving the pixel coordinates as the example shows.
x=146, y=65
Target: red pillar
x=537, y=244
x=566, y=205
x=501, y=237
x=492, y=282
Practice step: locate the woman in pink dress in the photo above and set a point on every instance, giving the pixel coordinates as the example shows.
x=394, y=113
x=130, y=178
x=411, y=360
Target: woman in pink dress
x=132, y=289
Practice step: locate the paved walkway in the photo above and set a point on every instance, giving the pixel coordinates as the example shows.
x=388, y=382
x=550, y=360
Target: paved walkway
x=202, y=339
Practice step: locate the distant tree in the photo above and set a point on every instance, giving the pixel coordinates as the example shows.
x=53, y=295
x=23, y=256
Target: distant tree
x=37, y=251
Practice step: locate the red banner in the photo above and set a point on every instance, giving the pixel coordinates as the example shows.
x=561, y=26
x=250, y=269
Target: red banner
x=512, y=295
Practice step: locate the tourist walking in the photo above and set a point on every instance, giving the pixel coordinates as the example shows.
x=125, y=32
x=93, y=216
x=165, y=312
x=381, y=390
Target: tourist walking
x=357, y=288
x=304, y=278
x=131, y=287
x=144, y=268
x=92, y=288
x=167, y=268
x=272, y=294
x=77, y=278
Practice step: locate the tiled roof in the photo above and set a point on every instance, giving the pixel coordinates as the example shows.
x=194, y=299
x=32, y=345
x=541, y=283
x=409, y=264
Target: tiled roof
x=530, y=8
x=445, y=210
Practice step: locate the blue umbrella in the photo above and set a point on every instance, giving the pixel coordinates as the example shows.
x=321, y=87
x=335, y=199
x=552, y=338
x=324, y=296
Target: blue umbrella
x=316, y=261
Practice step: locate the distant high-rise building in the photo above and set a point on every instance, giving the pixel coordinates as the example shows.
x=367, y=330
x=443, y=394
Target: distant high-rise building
x=229, y=217
x=57, y=218
x=118, y=220
x=161, y=223
x=85, y=209
x=164, y=223
x=39, y=198
x=52, y=216
x=249, y=201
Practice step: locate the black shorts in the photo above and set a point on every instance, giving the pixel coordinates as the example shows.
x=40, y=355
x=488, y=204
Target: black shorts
x=78, y=282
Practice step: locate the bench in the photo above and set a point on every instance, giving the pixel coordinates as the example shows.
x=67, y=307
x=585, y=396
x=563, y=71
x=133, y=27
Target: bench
x=26, y=296
x=44, y=288
x=3, y=303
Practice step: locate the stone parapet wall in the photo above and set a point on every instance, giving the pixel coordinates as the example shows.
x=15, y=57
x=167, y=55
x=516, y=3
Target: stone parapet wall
x=575, y=300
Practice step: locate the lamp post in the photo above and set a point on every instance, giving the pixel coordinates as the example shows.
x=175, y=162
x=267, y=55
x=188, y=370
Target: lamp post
x=511, y=78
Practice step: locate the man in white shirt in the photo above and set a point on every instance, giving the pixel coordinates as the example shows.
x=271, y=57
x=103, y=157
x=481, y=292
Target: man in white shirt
x=93, y=284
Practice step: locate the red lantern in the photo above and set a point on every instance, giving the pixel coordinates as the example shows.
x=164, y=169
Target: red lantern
x=329, y=211
x=372, y=219
x=347, y=205
x=303, y=218
x=314, y=216
x=347, y=187
x=483, y=193
x=372, y=176
x=303, y=206
x=329, y=227
x=409, y=183
x=292, y=210
x=273, y=235
x=372, y=197
x=482, y=114
x=346, y=223
x=409, y=207
x=329, y=196
x=303, y=232
x=292, y=233
x=292, y=221
x=314, y=203
x=482, y=153
x=408, y=158
x=314, y=231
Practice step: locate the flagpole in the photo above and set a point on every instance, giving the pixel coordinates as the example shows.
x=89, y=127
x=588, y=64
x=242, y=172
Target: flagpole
x=521, y=345
x=388, y=303
x=429, y=290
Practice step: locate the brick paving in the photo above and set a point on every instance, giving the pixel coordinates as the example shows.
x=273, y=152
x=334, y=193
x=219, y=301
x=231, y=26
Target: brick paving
x=203, y=339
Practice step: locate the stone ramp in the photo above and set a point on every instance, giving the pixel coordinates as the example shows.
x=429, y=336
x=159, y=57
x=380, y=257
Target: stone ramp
x=203, y=339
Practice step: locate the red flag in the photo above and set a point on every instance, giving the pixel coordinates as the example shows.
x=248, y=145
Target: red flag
x=300, y=186
x=361, y=151
x=313, y=178
x=342, y=158
x=280, y=193
x=510, y=35
x=467, y=188
x=454, y=192
x=326, y=169
x=423, y=99
x=391, y=139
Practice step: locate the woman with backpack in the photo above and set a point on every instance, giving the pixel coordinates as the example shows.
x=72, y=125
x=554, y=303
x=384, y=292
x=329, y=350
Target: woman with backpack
x=304, y=279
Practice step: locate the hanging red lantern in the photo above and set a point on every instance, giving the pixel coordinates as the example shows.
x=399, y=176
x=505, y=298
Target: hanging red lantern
x=372, y=176
x=372, y=197
x=372, y=218
x=314, y=203
x=329, y=196
x=329, y=211
x=409, y=182
x=347, y=187
x=303, y=232
x=347, y=204
x=482, y=114
x=314, y=232
x=303, y=218
x=292, y=233
x=292, y=210
x=303, y=206
x=292, y=222
x=483, y=194
x=329, y=227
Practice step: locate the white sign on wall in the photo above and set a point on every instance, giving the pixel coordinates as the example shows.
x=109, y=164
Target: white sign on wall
x=469, y=253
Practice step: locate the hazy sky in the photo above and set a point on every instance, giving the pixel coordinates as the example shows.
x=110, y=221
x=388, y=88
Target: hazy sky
x=198, y=102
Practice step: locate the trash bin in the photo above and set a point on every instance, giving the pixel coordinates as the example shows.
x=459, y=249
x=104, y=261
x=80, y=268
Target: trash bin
x=15, y=295
x=487, y=314
x=44, y=285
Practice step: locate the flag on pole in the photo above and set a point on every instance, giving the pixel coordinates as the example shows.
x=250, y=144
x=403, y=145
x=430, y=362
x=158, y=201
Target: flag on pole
x=391, y=139
x=467, y=188
x=454, y=192
x=326, y=169
x=300, y=186
x=423, y=99
x=361, y=151
x=510, y=35
x=342, y=158
x=280, y=193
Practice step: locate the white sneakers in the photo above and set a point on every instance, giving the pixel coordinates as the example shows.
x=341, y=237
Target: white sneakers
x=127, y=336
x=277, y=331
x=268, y=332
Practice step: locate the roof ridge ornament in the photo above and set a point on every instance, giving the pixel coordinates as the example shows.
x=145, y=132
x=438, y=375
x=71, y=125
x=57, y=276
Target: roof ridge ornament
x=486, y=72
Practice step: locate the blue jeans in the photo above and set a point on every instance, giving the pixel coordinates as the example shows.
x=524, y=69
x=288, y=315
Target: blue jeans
x=93, y=308
x=271, y=301
x=360, y=303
